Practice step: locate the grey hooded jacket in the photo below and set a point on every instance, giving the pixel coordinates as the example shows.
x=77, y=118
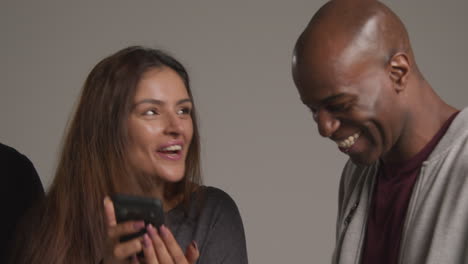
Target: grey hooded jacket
x=436, y=224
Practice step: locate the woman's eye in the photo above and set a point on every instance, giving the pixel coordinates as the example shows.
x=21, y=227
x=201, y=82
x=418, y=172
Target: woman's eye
x=184, y=111
x=150, y=113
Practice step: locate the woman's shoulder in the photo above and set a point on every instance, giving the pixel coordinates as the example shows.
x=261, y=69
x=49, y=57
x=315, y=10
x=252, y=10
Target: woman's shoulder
x=215, y=192
x=215, y=195
x=217, y=201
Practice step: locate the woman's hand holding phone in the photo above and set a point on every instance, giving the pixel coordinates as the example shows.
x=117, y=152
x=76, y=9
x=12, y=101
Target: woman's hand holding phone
x=158, y=247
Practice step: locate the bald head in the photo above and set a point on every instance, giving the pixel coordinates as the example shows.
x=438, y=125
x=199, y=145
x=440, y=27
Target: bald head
x=354, y=69
x=349, y=32
x=352, y=65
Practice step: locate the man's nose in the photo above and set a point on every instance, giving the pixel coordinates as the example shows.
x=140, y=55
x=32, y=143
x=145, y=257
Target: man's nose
x=327, y=124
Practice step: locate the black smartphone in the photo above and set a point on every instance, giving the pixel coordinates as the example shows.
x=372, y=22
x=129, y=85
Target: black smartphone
x=137, y=208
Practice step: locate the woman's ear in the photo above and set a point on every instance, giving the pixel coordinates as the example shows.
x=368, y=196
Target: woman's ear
x=399, y=68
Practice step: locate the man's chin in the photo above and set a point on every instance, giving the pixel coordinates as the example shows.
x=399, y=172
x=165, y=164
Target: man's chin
x=363, y=160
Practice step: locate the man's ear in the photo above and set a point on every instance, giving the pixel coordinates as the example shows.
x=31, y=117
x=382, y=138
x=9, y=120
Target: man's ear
x=399, y=68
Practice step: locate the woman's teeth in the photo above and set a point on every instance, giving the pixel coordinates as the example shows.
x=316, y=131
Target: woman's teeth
x=347, y=143
x=172, y=148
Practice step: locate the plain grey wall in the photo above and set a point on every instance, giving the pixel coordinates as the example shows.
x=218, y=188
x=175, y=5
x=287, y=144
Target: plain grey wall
x=259, y=143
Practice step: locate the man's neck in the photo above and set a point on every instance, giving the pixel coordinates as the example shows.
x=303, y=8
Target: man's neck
x=425, y=118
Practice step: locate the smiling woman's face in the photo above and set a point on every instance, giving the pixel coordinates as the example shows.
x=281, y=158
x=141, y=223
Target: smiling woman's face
x=160, y=125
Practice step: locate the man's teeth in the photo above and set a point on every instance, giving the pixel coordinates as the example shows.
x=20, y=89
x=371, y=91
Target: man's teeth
x=349, y=141
x=172, y=148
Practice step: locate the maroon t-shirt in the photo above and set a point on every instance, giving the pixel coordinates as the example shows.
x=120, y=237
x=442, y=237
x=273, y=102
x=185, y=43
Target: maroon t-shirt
x=392, y=192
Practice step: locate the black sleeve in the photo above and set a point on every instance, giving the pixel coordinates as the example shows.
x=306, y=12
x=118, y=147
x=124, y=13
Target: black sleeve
x=20, y=188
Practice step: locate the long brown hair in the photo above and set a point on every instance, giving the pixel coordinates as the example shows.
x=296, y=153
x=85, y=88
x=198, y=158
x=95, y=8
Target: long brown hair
x=70, y=224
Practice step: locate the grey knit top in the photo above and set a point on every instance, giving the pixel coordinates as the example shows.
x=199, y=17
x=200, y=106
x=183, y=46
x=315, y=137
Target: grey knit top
x=215, y=224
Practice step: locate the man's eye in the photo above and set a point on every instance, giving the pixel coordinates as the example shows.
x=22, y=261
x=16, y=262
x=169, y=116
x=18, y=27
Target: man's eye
x=314, y=112
x=338, y=107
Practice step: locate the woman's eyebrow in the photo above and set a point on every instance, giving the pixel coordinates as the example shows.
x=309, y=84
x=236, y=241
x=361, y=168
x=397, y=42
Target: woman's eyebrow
x=186, y=100
x=149, y=101
x=160, y=102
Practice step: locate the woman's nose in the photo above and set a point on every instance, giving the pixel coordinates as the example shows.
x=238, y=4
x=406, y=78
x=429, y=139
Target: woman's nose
x=173, y=125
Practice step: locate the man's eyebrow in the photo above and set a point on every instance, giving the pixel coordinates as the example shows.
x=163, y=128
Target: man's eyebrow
x=160, y=102
x=334, y=97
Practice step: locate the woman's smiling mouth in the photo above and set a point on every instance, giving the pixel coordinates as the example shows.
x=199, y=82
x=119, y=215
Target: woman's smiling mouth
x=171, y=152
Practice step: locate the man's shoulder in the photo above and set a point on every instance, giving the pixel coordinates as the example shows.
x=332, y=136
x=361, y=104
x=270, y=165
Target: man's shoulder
x=353, y=173
x=455, y=139
x=13, y=163
x=9, y=154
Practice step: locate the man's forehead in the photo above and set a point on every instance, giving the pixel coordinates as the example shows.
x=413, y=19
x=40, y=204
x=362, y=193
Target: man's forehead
x=315, y=95
x=328, y=78
x=331, y=69
x=362, y=45
x=339, y=48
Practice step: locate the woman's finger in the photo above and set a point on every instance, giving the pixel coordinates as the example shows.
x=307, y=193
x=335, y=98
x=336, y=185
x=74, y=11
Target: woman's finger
x=127, y=249
x=172, y=246
x=148, y=250
x=134, y=260
x=192, y=253
x=160, y=248
x=117, y=230
x=126, y=228
x=110, y=214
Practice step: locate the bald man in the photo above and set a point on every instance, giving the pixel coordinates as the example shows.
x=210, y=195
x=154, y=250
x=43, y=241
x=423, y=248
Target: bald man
x=403, y=194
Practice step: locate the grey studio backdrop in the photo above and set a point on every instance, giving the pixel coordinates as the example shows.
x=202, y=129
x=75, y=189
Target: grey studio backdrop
x=259, y=143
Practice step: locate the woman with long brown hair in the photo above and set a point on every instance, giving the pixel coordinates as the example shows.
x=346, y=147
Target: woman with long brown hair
x=134, y=132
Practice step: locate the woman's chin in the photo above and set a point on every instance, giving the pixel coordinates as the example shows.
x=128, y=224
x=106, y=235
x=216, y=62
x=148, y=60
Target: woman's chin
x=173, y=179
x=171, y=176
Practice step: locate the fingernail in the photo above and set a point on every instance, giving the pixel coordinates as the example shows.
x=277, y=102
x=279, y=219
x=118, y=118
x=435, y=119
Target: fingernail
x=146, y=241
x=106, y=199
x=164, y=231
x=151, y=230
x=194, y=244
x=139, y=225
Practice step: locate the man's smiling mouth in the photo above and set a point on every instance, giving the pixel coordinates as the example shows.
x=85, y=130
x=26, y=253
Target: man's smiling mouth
x=349, y=141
